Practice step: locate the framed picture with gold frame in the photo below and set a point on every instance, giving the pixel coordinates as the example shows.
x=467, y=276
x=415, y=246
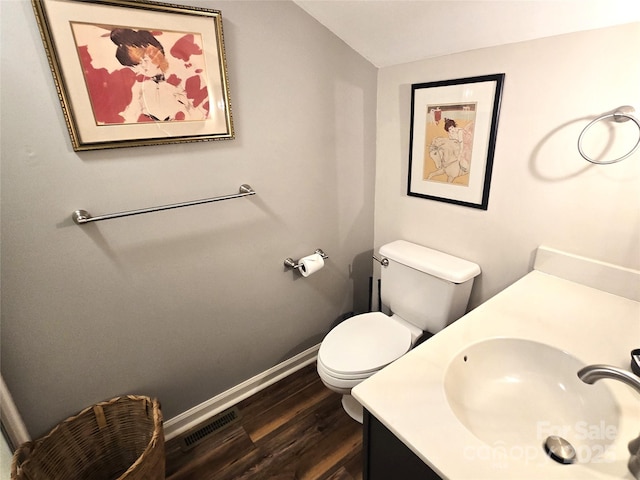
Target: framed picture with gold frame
x=132, y=73
x=452, y=141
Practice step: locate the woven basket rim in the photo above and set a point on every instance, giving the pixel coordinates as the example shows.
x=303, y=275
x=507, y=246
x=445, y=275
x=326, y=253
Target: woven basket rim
x=157, y=431
x=33, y=445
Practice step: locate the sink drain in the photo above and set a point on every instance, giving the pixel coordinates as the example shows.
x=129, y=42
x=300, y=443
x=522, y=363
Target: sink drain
x=559, y=449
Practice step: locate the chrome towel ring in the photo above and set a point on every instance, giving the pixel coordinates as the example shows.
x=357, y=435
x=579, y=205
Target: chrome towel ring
x=621, y=114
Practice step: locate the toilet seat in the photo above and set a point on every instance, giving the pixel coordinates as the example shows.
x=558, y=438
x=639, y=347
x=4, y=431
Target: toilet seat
x=362, y=345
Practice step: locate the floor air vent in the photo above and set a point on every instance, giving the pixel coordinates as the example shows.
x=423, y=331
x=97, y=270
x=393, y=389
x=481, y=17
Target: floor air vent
x=198, y=434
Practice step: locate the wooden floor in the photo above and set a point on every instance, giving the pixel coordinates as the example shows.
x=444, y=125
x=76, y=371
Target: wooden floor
x=293, y=430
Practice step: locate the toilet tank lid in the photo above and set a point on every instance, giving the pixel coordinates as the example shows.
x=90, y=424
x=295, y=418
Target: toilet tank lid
x=433, y=262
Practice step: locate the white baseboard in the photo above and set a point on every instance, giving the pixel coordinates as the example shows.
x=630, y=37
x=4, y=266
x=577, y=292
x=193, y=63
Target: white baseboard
x=200, y=413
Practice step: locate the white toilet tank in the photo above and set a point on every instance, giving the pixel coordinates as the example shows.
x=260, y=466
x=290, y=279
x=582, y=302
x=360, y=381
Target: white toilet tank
x=425, y=287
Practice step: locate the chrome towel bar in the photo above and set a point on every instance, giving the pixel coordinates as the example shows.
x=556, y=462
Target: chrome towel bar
x=82, y=216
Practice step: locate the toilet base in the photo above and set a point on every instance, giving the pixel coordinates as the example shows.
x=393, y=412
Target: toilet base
x=352, y=407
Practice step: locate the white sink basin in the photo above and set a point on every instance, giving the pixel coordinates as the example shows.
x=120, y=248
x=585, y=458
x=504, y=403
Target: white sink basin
x=514, y=392
x=465, y=420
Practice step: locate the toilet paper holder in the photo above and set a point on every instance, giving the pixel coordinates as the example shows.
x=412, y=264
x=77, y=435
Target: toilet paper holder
x=290, y=263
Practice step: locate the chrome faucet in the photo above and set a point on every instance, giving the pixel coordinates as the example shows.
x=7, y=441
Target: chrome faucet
x=591, y=373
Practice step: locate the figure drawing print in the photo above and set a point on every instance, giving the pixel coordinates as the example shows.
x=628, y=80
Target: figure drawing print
x=448, y=143
x=137, y=75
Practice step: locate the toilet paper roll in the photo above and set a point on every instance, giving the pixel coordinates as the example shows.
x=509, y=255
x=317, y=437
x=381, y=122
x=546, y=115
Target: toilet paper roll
x=311, y=264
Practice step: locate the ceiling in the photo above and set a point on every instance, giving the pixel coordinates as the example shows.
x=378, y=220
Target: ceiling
x=390, y=32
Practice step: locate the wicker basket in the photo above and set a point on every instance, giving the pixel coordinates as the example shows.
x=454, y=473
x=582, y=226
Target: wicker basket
x=113, y=440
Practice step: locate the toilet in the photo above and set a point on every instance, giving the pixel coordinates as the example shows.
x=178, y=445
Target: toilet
x=424, y=289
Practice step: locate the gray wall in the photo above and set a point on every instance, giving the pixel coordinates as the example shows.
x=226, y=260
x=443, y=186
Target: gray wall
x=542, y=190
x=183, y=304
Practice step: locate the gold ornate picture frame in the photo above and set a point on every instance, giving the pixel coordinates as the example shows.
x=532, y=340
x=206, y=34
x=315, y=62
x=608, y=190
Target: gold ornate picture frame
x=132, y=73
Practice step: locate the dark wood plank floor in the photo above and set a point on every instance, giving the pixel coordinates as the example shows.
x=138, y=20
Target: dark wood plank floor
x=295, y=429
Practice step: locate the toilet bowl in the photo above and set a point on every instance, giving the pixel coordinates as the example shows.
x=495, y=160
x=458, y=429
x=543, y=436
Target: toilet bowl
x=425, y=290
x=356, y=349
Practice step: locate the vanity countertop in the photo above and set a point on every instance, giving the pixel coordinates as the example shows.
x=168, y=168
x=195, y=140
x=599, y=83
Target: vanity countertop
x=592, y=325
